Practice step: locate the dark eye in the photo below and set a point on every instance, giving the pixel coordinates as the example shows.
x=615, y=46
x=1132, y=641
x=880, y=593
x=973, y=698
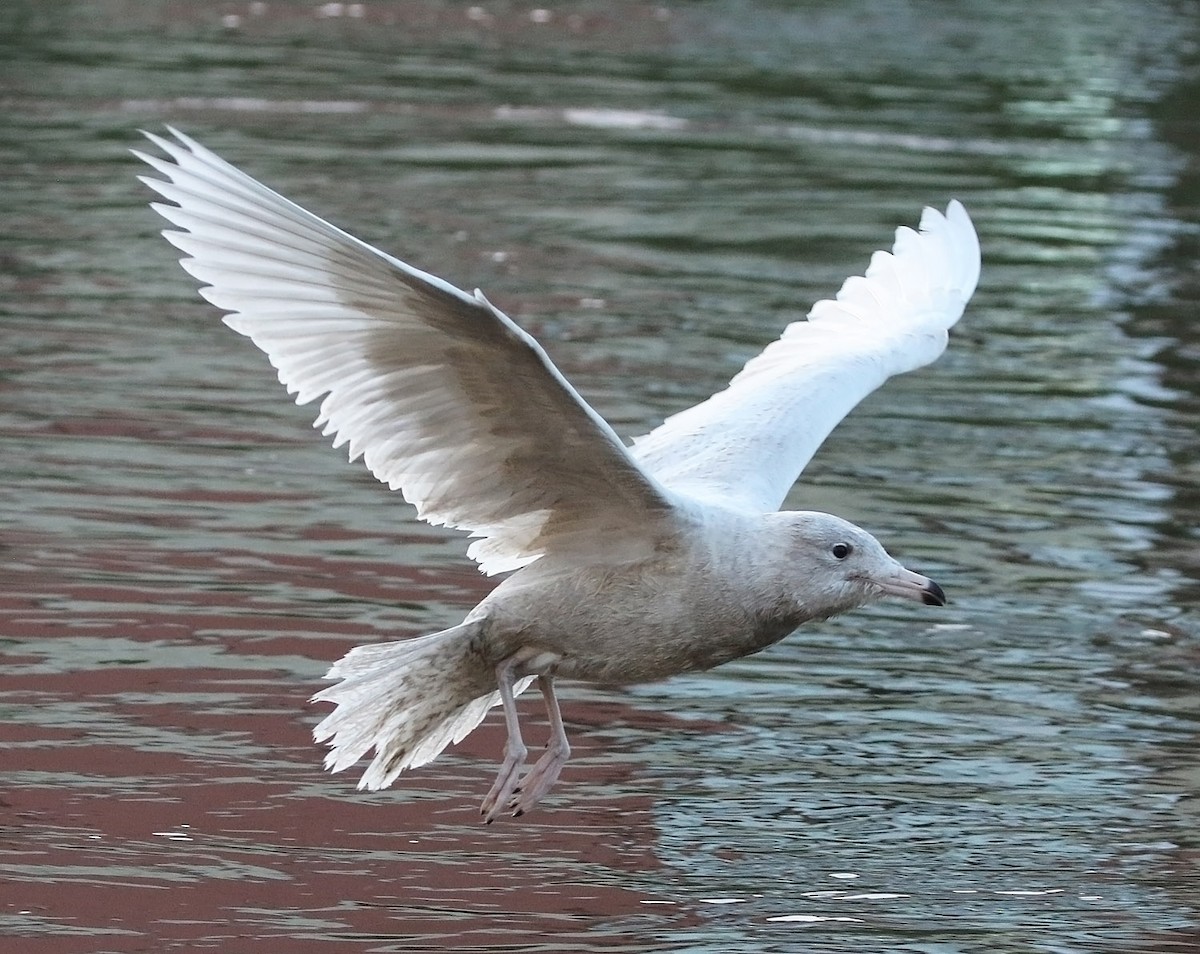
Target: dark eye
x=842, y=550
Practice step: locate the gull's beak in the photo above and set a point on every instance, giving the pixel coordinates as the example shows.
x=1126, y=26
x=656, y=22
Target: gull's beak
x=911, y=586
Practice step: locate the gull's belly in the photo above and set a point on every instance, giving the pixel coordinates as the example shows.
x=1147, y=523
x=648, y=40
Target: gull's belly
x=628, y=625
x=631, y=655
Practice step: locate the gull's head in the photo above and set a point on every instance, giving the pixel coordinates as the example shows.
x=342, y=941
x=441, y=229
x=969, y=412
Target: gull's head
x=837, y=565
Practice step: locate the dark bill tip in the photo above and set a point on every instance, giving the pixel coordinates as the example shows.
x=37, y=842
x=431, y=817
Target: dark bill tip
x=933, y=595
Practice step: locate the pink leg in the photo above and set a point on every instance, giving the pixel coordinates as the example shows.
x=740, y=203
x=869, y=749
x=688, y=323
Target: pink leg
x=514, y=749
x=545, y=772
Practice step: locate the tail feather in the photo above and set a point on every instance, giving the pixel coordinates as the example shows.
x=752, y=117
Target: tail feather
x=408, y=700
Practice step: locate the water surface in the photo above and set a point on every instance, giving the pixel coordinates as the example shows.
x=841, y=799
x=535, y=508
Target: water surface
x=653, y=190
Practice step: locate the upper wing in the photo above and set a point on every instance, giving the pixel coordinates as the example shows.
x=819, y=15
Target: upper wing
x=745, y=446
x=444, y=397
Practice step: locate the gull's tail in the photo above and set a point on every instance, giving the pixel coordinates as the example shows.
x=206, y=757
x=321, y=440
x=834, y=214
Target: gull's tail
x=408, y=700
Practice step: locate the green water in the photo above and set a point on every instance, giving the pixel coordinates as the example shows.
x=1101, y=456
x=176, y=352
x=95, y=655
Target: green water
x=653, y=190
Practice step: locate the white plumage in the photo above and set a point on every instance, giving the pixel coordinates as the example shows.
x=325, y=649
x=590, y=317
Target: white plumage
x=440, y=393
x=633, y=563
x=746, y=445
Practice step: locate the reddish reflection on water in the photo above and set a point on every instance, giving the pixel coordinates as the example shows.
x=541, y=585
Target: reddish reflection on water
x=660, y=187
x=177, y=800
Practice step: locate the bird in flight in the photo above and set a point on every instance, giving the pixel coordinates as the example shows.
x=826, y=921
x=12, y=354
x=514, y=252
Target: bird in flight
x=622, y=563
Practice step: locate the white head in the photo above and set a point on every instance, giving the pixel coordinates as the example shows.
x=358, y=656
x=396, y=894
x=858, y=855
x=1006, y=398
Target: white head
x=835, y=565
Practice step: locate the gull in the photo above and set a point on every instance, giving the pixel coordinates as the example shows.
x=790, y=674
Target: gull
x=622, y=563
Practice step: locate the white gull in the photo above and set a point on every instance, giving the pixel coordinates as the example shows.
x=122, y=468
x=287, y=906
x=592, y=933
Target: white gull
x=631, y=563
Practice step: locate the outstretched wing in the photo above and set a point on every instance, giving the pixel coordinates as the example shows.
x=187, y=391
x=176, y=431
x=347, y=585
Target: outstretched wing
x=443, y=396
x=745, y=446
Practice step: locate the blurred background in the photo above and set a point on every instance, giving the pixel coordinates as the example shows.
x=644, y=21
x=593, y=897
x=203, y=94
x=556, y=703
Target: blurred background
x=653, y=190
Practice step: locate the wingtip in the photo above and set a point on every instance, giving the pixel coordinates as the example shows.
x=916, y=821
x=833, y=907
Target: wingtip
x=957, y=212
x=191, y=144
x=180, y=145
x=964, y=227
x=158, y=140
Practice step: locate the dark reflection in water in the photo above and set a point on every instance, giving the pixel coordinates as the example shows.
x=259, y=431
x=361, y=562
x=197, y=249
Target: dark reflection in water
x=653, y=190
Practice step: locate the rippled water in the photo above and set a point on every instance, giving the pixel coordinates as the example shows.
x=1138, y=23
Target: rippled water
x=653, y=190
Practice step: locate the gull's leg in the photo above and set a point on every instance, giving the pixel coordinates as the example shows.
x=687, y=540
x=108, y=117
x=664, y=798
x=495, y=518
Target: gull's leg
x=545, y=770
x=514, y=749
